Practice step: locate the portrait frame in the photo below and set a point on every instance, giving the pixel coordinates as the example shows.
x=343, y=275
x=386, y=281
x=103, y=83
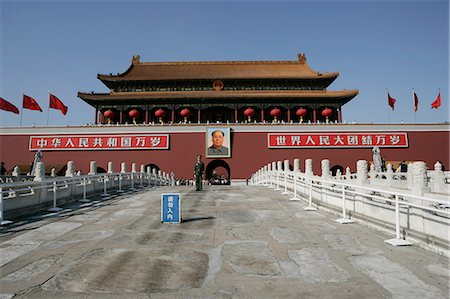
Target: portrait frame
x=226, y=145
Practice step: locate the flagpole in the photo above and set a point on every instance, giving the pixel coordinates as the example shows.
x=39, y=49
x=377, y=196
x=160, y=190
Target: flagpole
x=48, y=108
x=21, y=111
x=414, y=104
x=389, y=111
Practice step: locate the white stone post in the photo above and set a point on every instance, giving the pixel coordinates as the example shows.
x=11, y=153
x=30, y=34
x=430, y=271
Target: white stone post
x=438, y=178
x=279, y=169
x=110, y=167
x=142, y=168
x=53, y=172
x=326, y=169
x=389, y=174
x=39, y=172
x=16, y=172
x=123, y=167
x=133, y=167
x=309, y=168
x=297, y=165
x=361, y=172
x=419, y=173
x=70, y=172
x=93, y=168
x=286, y=169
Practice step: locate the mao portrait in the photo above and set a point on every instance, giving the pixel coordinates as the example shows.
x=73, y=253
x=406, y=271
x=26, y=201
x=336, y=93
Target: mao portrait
x=218, y=142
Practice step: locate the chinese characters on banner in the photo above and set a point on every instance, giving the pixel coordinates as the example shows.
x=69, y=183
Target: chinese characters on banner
x=336, y=140
x=99, y=142
x=170, y=208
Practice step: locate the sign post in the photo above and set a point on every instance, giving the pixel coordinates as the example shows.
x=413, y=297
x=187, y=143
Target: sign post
x=170, y=208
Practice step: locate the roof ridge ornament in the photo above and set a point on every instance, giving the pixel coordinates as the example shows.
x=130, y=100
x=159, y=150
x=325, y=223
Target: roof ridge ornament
x=135, y=59
x=301, y=58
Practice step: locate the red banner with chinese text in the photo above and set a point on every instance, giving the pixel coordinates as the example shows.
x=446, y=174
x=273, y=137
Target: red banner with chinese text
x=337, y=140
x=99, y=142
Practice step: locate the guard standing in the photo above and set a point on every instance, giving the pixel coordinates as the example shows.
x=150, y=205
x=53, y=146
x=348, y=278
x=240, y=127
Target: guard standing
x=199, y=168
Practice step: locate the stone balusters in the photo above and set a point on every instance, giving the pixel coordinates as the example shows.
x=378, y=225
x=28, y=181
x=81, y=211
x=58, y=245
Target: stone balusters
x=361, y=172
x=70, y=172
x=93, y=168
x=286, y=166
x=133, y=167
x=296, y=165
x=110, y=167
x=16, y=172
x=438, y=178
x=326, y=173
x=309, y=168
x=123, y=167
x=419, y=178
x=39, y=172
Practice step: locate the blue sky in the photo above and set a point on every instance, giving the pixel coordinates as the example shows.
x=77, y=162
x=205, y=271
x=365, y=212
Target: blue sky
x=61, y=46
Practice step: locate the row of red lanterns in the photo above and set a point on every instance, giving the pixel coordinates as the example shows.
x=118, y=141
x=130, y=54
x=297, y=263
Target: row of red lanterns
x=249, y=112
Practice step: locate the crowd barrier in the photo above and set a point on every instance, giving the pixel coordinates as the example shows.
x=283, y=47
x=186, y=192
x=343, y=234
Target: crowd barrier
x=23, y=197
x=415, y=215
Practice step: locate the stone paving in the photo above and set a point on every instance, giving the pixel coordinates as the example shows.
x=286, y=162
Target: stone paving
x=234, y=242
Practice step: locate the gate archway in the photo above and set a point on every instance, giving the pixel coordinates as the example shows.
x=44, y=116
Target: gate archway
x=218, y=172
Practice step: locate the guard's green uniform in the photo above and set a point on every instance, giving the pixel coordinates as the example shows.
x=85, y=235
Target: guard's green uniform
x=199, y=168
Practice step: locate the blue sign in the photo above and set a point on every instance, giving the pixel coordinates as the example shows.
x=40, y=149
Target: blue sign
x=170, y=208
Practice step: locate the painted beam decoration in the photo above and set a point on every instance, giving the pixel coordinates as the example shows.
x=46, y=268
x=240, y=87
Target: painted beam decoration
x=99, y=142
x=337, y=140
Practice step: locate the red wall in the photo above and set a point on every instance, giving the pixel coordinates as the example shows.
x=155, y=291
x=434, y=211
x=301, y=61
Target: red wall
x=249, y=153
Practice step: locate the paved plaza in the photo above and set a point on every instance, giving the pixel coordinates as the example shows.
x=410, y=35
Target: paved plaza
x=234, y=242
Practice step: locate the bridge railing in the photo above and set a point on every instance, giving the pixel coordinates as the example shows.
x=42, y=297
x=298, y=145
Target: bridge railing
x=22, y=197
x=414, y=215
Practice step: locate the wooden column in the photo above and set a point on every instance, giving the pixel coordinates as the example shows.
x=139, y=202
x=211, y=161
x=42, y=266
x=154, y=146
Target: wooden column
x=289, y=115
x=199, y=115
x=235, y=115
x=340, y=115
x=146, y=115
x=173, y=115
x=121, y=116
x=96, y=115
x=314, y=115
x=262, y=114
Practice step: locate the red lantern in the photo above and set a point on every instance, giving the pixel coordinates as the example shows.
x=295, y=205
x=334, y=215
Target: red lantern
x=327, y=112
x=301, y=112
x=185, y=113
x=133, y=113
x=109, y=114
x=275, y=112
x=160, y=113
x=249, y=112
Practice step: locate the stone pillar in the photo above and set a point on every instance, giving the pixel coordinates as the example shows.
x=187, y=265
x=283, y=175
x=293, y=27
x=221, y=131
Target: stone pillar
x=123, y=167
x=154, y=171
x=286, y=165
x=326, y=169
x=110, y=167
x=70, y=172
x=438, y=178
x=39, y=174
x=419, y=173
x=142, y=168
x=53, y=172
x=16, y=171
x=348, y=173
x=269, y=166
x=372, y=174
x=309, y=167
x=149, y=170
x=133, y=167
x=93, y=168
x=296, y=165
x=274, y=166
x=279, y=165
x=361, y=172
x=389, y=174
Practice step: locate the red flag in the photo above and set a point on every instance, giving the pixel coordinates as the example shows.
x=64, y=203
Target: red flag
x=30, y=103
x=391, y=101
x=416, y=101
x=56, y=103
x=7, y=106
x=437, y=102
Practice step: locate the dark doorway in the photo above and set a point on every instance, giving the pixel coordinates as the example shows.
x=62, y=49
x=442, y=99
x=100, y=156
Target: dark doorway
x=335, y=168
x=218, y=172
